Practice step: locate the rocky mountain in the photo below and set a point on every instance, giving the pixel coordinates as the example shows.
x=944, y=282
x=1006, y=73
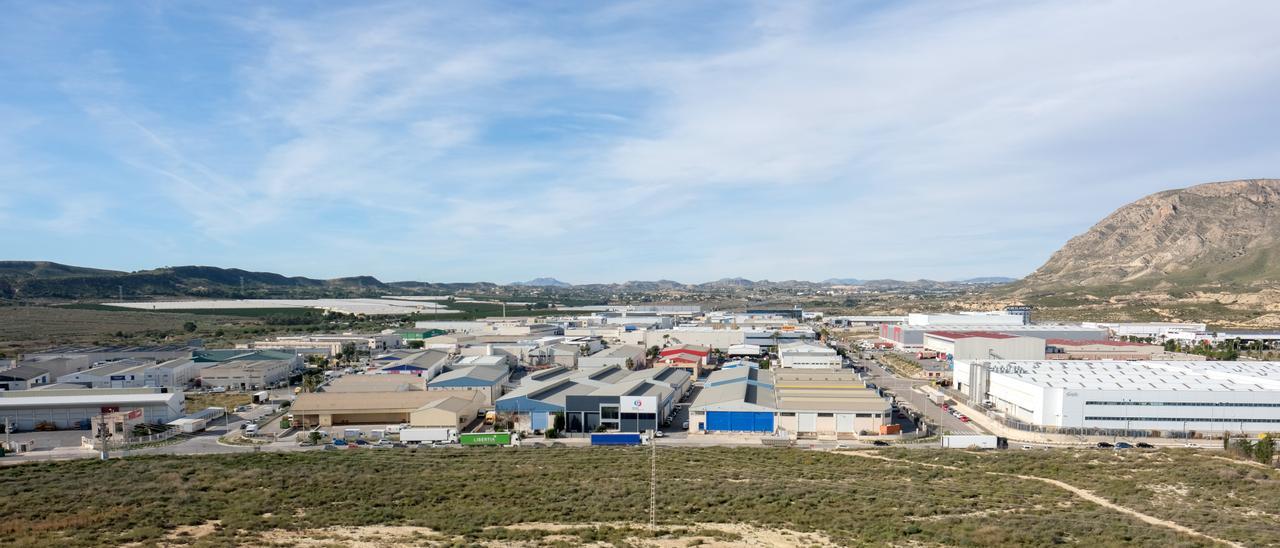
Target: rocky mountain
x=1213, y=237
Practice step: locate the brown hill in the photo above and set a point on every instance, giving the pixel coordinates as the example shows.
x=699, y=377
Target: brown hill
x=1217, y=236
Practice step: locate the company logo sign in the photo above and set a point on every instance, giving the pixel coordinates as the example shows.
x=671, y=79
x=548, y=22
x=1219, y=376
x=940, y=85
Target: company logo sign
x=639, y=404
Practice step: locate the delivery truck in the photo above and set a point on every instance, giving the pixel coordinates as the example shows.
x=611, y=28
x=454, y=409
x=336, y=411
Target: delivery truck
x=429, y=435
x=974, y=441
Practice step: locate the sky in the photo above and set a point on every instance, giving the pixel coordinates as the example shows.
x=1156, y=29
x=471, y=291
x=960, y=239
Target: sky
x=609, y=141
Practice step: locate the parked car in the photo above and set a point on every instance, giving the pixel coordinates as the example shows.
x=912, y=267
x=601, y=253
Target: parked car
x=659, y=434
x=685, y=425
x=1145, y=445
x=1104, y=445
x=1026, y=447
x=1191, y=444
x=880, y=443
x=1124, y=445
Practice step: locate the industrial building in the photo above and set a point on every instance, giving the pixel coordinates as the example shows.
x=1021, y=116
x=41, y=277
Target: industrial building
x=127, y=373
x=966, y=318
x=65, y=360
x=630, y=356
x=423, y=363
x=1160, y=396
x=375, y=383
x=799, y=404
x=1158, y=331
x=983, y=345
x=414, y=407
x=593, y=398
x=1061, y=349
x=486, y=379
x=72, y=409
x=687, y=356
x=246, y=369
x=23, y=377
x=808, y=355
x=911, y=337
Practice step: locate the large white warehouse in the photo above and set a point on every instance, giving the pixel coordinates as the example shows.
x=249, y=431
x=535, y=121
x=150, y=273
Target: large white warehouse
x=1134, y=395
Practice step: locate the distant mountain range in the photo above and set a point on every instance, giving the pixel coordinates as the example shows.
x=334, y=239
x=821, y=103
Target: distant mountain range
x=42, y=279
x=543, y=282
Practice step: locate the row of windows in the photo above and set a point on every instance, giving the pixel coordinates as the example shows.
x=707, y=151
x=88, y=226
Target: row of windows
x=1184, y=403
x=1179, y=419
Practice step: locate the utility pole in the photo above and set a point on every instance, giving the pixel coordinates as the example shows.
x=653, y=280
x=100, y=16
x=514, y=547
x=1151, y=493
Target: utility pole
x=103, y=435
x=653, y=474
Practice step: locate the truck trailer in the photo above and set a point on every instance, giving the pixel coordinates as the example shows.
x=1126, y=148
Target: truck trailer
x=429, y=435
x=487, y=438
x=616, y=439
x=974, y=441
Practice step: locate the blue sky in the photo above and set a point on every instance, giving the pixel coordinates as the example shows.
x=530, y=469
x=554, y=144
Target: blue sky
x=599, y=142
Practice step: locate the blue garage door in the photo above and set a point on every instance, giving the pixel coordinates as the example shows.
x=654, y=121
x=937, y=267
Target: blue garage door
x=539, y=420
x=739, y=421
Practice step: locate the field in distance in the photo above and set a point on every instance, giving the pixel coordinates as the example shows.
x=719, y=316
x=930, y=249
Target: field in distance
x=571, y=496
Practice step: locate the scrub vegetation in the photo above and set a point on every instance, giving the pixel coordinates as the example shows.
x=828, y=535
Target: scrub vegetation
x=483, y=495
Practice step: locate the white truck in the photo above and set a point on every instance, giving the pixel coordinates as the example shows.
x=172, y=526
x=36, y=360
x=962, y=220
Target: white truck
x=973, y=441
x=429, y=435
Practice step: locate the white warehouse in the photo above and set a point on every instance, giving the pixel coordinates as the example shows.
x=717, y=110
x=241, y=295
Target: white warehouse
x=807, y=355
x=984, y=345
x=1130, y=395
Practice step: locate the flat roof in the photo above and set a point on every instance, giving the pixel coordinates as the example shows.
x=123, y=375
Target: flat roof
x=1141, y=375
x=1069, y=342
x=953, y=335
x=368, y=402
x=375, y=383
x=86, y=397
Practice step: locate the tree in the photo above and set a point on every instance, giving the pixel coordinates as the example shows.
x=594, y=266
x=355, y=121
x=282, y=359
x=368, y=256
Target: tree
x=189, y=327
x=315, y=438
x=1264, y=450
x=631, y=364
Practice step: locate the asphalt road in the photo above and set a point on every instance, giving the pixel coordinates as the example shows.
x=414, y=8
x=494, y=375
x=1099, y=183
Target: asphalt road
x=903, y=391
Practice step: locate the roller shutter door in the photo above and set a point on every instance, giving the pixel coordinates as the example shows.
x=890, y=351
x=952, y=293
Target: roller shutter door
x=808, y=422
x=539, y=420
x=844, y=422
x=718, y=421
x=739, y=421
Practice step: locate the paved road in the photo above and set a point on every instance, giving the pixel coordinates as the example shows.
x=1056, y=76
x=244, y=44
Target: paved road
x=903, y=391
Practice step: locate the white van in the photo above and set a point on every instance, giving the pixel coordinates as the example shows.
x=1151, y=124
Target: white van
x=251, y=430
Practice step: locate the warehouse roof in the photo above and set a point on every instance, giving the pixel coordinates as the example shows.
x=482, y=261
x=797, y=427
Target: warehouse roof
x=953, y=335
x=366, y=402
x=224, y=355
x=1142, y=375
x=84, y=398
x=375, y=383
x=22, y=373
x=476, y=375
x=1069, y=342
x=116, y=368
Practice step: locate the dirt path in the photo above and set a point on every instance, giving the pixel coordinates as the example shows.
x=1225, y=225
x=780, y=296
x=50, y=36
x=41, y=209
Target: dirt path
x=1082, y=493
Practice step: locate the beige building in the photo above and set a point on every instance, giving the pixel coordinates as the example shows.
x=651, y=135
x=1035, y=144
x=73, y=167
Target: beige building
x=246, y=374
x=1062, y=349
x=375, y=383
x=788, y=403
x=414, y=407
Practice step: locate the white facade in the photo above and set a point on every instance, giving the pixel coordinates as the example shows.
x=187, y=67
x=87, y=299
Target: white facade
x=1154, y=330
x=971, y=346
x=965, y=318
x=806, y=355
x=1133, y=395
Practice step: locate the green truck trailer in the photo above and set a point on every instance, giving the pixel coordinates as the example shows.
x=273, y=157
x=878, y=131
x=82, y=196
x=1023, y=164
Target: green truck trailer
x=487, y=438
